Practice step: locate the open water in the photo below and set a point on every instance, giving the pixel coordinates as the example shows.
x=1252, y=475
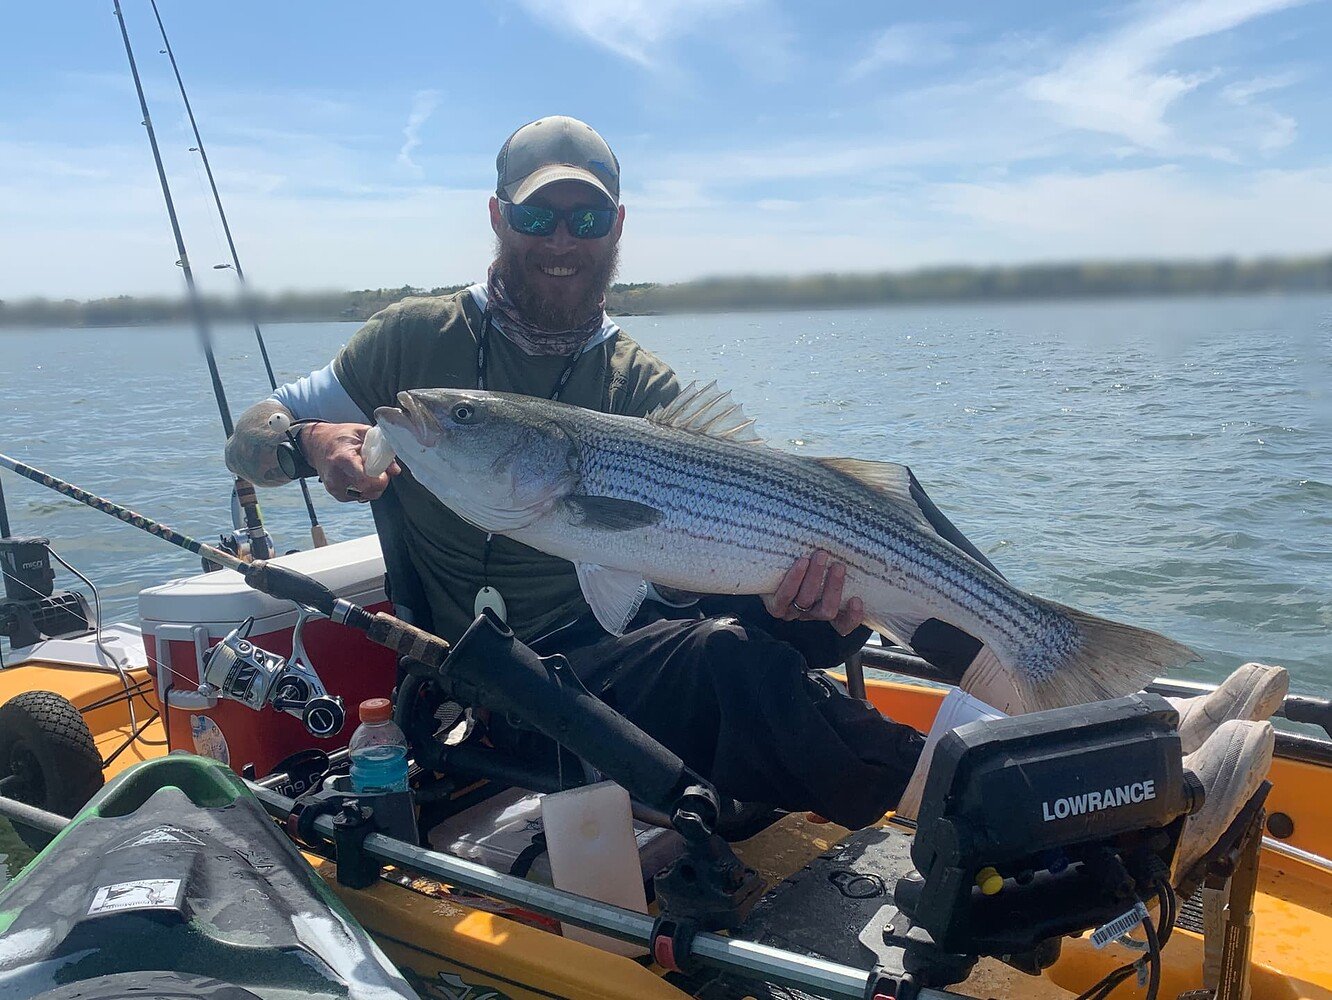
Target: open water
x=1165, y=462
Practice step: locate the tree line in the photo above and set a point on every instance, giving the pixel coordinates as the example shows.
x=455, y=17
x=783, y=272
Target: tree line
x=938, y=284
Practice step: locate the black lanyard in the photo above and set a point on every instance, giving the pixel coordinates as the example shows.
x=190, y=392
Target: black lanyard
x=482, y=341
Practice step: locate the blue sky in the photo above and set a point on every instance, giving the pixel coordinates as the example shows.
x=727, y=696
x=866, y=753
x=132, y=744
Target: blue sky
x=354, y=143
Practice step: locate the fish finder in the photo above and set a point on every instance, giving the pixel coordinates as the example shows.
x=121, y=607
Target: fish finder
x=1045, y=824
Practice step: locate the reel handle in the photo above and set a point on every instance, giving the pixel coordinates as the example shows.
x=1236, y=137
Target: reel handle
x=324, y=716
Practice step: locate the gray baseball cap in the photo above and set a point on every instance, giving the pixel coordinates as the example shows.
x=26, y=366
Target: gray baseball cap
x=555, y=149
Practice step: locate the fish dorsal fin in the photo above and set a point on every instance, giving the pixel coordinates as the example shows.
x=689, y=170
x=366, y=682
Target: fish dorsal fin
x=705, y=409
x=890, y=480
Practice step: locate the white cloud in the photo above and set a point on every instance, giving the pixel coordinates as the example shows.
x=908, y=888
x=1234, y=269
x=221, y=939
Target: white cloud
x=103, y=232
x=906, y=45
x=303, y=218
x=1163, y=212
x=808, y=160
x=1155, y=212
x=1117, y=84
x=632, y=29
x=424, y=103
x=646, y=32
x=1244, y=91
x=1276, y=130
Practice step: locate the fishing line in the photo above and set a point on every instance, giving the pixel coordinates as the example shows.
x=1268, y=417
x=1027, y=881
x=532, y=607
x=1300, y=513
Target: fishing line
x=317, y=534
x=260, y=543
x=97, y=634
x=219, y=246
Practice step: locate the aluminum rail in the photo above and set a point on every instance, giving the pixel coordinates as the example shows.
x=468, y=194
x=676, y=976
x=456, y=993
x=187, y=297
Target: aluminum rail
x=1298, y=853
x=745, y=958
x=38, y=819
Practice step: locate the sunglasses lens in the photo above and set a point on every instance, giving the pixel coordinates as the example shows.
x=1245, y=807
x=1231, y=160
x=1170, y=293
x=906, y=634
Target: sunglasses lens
x=532, y=220
x=583, y=223
x=591, y=223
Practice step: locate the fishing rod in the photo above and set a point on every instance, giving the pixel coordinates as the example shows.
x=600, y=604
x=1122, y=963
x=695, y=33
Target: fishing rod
x=261, y=574
x=260, y=544
x=317, y=534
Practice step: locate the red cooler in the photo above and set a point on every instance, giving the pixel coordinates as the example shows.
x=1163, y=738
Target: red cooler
x=182, y=619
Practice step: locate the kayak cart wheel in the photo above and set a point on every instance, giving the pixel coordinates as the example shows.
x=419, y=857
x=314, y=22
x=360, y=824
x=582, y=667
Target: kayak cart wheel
x=47, y=757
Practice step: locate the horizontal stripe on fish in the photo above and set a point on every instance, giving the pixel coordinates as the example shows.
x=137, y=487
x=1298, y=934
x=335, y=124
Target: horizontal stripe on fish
x=728, y=495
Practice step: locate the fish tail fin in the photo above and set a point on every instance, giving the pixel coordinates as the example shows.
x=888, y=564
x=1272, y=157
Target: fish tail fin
x=1104, y=659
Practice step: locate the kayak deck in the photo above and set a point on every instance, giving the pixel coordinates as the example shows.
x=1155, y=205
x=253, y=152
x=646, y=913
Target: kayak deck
x=451, y=940
x=458, y=940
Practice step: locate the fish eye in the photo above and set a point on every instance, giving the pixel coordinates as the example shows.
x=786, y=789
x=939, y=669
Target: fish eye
x=464, y=412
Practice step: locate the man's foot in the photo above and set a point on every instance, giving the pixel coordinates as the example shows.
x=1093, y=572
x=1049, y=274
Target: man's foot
x=1252, y=692
x=1231, y=765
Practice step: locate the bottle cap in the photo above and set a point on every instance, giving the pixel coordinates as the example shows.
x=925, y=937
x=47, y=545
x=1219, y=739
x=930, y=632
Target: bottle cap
x=989, y=881
x=376, y=710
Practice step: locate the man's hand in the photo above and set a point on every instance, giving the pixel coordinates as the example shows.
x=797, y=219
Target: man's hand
x=811, y=591
x=335, y=452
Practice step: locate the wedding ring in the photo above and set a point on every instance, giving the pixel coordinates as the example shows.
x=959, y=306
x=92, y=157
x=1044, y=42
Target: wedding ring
x=799, y=608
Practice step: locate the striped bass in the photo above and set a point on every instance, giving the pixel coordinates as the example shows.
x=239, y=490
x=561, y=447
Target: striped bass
x=689, y=498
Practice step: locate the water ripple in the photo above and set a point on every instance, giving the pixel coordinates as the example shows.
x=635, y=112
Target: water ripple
x=1164, y=461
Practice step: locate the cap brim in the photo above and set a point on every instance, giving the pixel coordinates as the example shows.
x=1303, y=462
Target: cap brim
x=550, y=174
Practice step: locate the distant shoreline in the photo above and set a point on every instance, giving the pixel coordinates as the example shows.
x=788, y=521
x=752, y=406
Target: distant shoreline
x=1023, y=283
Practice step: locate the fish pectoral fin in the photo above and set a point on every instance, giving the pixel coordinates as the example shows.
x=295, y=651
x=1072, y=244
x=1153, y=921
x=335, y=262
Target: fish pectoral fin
x=614, y=594
x=610, y=514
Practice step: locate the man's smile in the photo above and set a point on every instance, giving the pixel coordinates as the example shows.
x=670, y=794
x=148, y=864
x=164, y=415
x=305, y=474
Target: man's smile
x=558, y=271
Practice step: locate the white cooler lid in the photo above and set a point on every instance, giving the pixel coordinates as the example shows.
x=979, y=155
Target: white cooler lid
x=352, y=570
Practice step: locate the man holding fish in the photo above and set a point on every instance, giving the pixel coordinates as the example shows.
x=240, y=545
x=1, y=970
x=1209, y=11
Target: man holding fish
x=551, y=469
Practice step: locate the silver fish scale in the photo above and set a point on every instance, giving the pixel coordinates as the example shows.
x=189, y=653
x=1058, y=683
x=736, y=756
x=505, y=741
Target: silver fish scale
x=780, y=506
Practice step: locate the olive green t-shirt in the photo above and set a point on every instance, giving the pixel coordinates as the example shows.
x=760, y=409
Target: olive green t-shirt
x=425, y=343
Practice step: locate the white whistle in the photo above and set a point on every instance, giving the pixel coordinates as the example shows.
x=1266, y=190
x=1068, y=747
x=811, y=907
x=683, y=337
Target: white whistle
x=376, y=455
x=490, y=599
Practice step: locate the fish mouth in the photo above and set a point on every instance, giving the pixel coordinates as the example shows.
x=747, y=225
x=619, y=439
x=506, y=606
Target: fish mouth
x=412, y=417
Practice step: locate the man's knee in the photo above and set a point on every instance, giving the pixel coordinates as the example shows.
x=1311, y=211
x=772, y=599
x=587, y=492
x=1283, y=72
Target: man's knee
x=727, y=649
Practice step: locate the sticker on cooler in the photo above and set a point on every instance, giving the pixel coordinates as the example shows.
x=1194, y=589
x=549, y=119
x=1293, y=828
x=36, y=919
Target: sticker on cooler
x=208, y=739
x=141, y=894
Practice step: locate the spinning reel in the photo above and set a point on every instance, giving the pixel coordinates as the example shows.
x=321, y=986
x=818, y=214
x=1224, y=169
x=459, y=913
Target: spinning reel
x=238, y=670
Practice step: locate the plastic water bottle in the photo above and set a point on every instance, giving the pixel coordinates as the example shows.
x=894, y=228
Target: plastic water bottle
x=378, y=751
